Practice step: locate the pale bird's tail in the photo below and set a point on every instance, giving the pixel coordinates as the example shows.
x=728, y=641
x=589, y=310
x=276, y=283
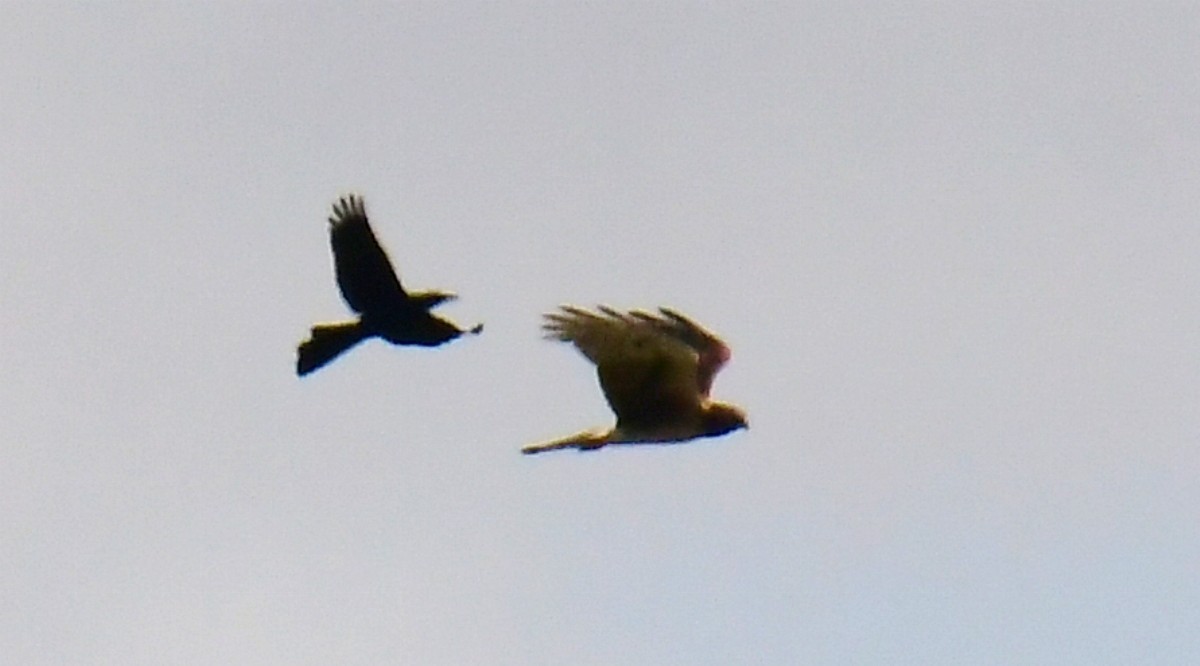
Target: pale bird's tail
x=588, y=440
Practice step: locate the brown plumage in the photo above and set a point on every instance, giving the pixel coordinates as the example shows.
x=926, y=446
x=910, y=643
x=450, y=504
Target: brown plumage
x=656, y=370
x=371, y=288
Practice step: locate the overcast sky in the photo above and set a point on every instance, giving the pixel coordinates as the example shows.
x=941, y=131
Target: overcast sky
x=954, y=248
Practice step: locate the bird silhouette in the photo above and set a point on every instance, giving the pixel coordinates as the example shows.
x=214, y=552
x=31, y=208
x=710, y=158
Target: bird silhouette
x=372, y=289
x=656, y=371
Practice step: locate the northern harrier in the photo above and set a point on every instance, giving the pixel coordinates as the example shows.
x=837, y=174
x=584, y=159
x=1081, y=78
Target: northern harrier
x=371, y=288
x=656, y=371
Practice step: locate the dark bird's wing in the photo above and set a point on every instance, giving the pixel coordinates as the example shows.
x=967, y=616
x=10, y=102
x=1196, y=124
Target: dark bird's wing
x=648, y=377
x=366, y=277
x=713, y=353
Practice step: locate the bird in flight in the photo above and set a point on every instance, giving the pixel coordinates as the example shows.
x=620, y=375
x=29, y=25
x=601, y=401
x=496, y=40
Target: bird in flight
x=371, y=288
x=656, y=370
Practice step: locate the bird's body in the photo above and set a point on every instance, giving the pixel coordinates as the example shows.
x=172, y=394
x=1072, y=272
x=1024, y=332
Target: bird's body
x=656, y=371
x=371, y=288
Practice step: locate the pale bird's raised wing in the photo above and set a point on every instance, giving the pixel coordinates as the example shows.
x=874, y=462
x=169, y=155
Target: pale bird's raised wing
x=365, y=275
x=649, y=377
x=713, y=353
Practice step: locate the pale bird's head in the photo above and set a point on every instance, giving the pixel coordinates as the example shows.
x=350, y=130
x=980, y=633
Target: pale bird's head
x=721, y=418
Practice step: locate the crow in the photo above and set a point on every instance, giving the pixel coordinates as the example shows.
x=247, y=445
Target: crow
x=369, y=285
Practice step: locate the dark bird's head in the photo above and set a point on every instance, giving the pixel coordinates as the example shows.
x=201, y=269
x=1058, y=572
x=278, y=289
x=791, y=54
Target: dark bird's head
x=722, y=418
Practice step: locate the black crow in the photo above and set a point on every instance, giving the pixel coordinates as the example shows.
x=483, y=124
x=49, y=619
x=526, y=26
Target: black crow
x=371, y=288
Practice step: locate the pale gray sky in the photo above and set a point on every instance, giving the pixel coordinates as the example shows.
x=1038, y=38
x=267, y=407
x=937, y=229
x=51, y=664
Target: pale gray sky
x=953, y=247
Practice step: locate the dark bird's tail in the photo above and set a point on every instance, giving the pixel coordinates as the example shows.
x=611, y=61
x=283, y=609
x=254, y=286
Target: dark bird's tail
x=326, y=343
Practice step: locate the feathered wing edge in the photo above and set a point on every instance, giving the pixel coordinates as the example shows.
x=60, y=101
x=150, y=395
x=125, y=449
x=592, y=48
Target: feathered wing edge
x=348, y=205
x=588, y=331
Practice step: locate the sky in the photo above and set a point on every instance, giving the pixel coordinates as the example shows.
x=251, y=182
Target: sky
x=953, y=247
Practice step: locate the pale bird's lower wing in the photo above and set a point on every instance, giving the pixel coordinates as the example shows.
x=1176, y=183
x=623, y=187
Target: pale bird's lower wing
x=713, y=353
x=648, y=376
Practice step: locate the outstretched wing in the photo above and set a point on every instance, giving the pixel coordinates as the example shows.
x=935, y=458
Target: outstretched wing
x=366, y=277
x=712, y=351
x=649, y=378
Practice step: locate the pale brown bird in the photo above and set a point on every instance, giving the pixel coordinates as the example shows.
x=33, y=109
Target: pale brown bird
x=656, y=370
x=369, y=285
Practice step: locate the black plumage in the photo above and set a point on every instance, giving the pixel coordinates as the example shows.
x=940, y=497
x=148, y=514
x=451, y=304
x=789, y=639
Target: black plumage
x=372, y=289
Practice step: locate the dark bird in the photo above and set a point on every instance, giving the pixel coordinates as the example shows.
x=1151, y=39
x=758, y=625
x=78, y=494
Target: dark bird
x=656, y=370
x=371, y=288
